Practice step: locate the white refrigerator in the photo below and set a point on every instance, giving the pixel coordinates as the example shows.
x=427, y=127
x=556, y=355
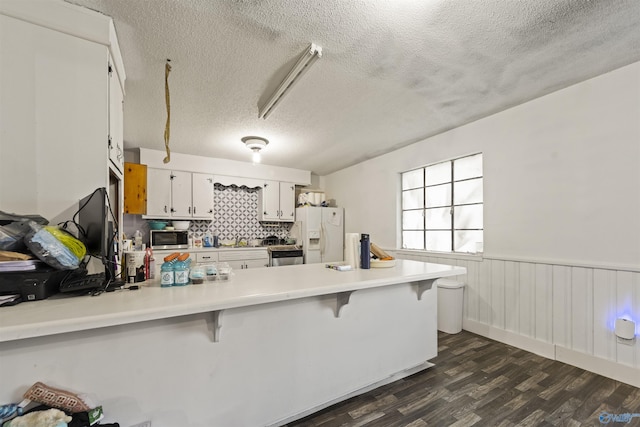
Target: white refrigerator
x=321, y=233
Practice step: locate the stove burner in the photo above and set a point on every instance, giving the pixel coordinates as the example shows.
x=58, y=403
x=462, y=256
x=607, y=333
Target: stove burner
x=272, y=240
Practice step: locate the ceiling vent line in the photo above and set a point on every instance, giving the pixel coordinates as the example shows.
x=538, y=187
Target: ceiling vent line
x=308, y=58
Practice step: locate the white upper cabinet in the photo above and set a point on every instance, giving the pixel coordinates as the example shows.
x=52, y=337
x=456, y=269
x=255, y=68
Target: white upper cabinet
x=59, y=107
x=116, y=120
x=269, y=202
x=177, y=194
x=287, y=201
x=158, y=193
x=276, y=201
x=202, y=195
x=181, y=194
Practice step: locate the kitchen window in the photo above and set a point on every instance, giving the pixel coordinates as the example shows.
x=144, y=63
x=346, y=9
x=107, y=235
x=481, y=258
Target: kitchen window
x=442, y=206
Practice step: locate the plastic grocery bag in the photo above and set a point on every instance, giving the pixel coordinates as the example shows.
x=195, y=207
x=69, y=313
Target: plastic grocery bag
x=56, y=247
x=13, y=229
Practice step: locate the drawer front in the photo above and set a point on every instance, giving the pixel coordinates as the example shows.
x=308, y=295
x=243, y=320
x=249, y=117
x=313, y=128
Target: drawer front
x=243, y=254
x=205, y=257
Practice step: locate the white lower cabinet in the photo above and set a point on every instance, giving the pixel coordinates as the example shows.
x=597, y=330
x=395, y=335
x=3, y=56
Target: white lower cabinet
x=245, y=258
x=205, y=257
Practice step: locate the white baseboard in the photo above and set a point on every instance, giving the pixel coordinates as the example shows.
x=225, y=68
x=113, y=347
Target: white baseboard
x=606, y=368
x=533, y=345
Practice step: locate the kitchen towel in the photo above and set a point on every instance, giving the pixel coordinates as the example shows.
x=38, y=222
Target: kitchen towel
x=352, y=249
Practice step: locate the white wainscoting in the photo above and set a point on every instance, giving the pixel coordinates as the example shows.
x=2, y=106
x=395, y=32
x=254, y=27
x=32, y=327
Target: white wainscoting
x=559, y=311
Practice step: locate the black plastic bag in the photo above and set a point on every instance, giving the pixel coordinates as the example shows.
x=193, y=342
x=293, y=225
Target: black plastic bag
x=13, y=229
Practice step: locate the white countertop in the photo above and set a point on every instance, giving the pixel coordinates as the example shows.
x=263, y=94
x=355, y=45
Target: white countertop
x=63, y=313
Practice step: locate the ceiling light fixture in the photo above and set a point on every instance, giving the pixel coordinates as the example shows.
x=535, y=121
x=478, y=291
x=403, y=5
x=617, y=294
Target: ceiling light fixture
x=308, y=58
x=255, y=144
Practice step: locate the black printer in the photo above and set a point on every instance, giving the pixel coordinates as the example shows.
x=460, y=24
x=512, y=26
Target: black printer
x=32, y=285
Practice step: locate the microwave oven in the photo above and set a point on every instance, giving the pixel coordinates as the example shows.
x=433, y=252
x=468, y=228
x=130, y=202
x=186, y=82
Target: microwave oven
x=169, y=239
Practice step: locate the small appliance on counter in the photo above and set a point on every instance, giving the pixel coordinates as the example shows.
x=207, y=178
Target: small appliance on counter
x=169, y=239
x=134, y=266
x=36, y=284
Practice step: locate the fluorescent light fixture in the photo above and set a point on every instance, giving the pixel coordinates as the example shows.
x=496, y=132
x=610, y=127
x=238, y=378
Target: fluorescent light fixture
x=310, y=56
x=255, y=144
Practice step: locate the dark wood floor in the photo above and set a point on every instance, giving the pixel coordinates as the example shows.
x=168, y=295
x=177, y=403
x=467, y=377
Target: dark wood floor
x=478, y=381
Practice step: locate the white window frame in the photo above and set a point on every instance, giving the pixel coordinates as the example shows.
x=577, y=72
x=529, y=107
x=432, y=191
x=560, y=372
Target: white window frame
x=451, y=205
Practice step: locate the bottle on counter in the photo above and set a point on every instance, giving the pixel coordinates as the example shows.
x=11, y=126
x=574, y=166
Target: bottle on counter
x=167, y=277
x=207, y=242
x=137, y=241
x=149, y=264
x=181, y=270
x=365, y=251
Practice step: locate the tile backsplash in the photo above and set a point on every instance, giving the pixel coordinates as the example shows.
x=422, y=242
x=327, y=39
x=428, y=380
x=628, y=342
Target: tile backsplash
x=235, y=215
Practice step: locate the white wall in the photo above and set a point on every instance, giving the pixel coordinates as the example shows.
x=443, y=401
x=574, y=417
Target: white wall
x=562, y=215
x=562, y=175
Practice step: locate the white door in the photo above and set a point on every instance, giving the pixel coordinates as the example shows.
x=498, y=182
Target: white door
x=181, y=194
x=158, y=193
x=332, y=234
x=202, y=190
x=287, y=201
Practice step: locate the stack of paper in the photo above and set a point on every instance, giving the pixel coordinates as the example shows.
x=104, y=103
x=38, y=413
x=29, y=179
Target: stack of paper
x=8, y=266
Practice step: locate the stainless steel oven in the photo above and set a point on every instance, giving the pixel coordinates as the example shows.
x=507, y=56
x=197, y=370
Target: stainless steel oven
x=285, y=255
x=169, y=239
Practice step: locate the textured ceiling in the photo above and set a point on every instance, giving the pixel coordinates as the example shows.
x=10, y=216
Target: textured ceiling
x=392, y=72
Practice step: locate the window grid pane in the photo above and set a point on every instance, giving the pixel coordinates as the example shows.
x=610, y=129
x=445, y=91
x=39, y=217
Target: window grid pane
x=413, y=220
x=468, y=217
x=438, y=241
x=438, y=195
x=467, y=167
x=438, y=173
x=467, y=192
x=413, y=179
x=438, y=218
x=413, y=239
x=413, y=199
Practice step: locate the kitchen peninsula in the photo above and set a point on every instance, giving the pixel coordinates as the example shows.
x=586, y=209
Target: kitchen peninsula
x=270, y=345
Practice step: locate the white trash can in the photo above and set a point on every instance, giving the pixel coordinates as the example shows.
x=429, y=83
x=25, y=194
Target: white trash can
x=450, y=301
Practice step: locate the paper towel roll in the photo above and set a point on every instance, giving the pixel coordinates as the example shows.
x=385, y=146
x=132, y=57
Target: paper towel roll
x=352, y=249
